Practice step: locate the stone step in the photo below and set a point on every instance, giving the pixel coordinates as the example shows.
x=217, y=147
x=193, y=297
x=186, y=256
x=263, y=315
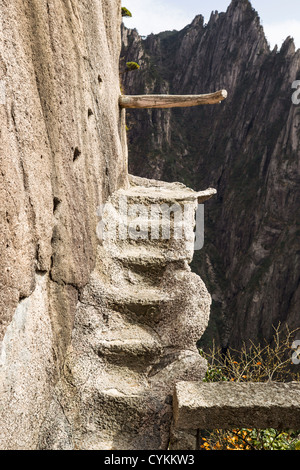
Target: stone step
x=174, y=193
x=147, y=256
x=131, y=346
x=137, y=293
x=151, y=228
x=125, y=351
x=147, y=228
x=146, y=314
x=146, y=253
x=143, y=307
x=169, y=228
x=123, y=409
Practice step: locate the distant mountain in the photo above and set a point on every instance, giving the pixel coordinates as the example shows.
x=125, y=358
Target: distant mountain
x=247, y=148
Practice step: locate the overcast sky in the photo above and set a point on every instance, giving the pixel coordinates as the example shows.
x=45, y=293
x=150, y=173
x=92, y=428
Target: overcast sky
x=280, y=18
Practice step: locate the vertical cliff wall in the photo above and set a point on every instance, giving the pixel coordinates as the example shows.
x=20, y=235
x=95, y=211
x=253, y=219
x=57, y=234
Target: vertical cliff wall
x=62, y=153
x=95, y=331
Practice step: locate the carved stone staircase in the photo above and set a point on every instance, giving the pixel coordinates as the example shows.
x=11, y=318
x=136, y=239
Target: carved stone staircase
x=136, y=325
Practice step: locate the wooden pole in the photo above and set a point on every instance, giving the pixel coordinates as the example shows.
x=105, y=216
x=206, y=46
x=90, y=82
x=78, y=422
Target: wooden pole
x=170, y=101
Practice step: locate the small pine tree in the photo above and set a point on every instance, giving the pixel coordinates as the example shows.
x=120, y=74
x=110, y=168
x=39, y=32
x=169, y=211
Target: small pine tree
x=125, y=12
x=130, y=66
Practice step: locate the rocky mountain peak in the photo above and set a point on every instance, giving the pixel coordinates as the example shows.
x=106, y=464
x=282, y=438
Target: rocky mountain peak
x=288, y=47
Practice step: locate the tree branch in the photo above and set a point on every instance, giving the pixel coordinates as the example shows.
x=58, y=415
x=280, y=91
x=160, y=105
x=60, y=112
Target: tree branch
x=170, y=101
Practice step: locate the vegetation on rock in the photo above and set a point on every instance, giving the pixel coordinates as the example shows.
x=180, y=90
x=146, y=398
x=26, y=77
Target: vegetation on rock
x=126, y=12
x=130, y=66
x=257, y=363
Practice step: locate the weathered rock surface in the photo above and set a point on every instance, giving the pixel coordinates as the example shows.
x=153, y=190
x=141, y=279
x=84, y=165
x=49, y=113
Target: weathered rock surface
x=136, y=326
x=62, y=153
x=247, y=148
x=236, y=405
x=202, y=406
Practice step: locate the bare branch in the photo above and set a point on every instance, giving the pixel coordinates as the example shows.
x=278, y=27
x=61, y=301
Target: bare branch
x=170, y=101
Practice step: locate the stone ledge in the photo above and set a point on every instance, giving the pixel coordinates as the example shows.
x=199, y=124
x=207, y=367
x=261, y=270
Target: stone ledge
x=222, y=405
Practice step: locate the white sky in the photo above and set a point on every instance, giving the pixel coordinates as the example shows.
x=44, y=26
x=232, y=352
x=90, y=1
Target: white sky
x=280, y=18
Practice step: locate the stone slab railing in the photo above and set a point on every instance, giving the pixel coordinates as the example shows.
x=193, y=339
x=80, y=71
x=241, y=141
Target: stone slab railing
x=208, y=406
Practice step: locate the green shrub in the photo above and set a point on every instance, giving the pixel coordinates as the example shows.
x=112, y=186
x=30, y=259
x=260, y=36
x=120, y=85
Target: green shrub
x=130, y=66
x=125, y=12
x=250, y=439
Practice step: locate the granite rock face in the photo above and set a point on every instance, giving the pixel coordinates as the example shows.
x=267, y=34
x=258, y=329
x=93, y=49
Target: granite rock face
x=62, y=153
x=136, y=326
x=95, y=332
x=234, y=405
x=247, y=148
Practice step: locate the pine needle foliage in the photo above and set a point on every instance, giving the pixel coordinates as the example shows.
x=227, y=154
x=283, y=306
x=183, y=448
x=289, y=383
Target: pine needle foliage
x=126, y=12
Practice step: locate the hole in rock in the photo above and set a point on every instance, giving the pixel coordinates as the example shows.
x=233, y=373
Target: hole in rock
x=77, y=154
x=56, y=203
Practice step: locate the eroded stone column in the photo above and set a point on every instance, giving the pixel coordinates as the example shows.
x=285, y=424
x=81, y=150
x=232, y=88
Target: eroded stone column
x=136, y=325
